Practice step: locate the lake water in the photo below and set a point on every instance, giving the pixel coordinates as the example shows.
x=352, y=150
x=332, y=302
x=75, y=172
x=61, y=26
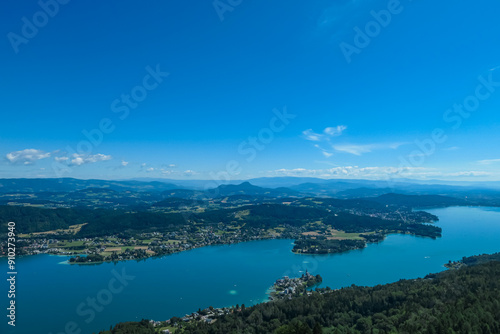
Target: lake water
x=54, y=298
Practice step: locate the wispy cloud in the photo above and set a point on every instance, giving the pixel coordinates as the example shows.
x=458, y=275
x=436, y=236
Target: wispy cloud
x=494, y=68
x=393, y=146
x=354, y=149
x=124, y=163
x=326, y=137
x=488, y=161
x=327, y=154
x=328, y=147
x=327, y=134
x=348, y=172
x=375, y=173
x=27, y=157
x=359, y=149
x=310, y=135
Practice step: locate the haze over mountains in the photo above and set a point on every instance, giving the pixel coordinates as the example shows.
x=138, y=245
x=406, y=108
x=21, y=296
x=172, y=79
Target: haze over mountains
x=292, y=181
x=76, y=190
x=297, y=184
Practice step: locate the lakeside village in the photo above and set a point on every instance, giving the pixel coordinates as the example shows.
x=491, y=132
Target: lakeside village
x=283, y=288
x=141, y=245
x=313, y=238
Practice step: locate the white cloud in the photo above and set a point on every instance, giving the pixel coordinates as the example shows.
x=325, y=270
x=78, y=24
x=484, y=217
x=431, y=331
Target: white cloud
x=124, y=163
x=335, y=131
x=292, y=172
x=98, y=157
x=59, y=159
x=77, y=161
x=150, y=169
x=80, y=159
x=189, y=172
x=328, y=133
x=27, y=157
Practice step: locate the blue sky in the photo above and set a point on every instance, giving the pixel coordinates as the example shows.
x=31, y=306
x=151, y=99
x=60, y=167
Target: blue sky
x=241, y=89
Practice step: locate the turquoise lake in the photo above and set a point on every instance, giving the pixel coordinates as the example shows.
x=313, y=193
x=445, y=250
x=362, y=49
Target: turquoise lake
x=49, y=293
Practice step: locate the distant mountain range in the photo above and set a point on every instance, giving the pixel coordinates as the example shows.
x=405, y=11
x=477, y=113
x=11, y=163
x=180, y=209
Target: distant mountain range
x=278, y=187
x=71, y=184
x=232, y=190
x=292, y=181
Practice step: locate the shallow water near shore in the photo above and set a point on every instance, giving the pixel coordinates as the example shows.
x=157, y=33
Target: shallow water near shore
x=51, y=295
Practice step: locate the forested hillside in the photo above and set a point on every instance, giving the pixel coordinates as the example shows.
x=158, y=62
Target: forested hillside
x=30, y=219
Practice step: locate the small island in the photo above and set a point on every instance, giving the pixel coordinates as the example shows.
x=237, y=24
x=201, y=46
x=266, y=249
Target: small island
x=287, y=288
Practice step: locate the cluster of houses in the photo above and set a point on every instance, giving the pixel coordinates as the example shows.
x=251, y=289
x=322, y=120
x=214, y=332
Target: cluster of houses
x=36, y=247
x=160, y=245
x=286, y=287
x=207, y=315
